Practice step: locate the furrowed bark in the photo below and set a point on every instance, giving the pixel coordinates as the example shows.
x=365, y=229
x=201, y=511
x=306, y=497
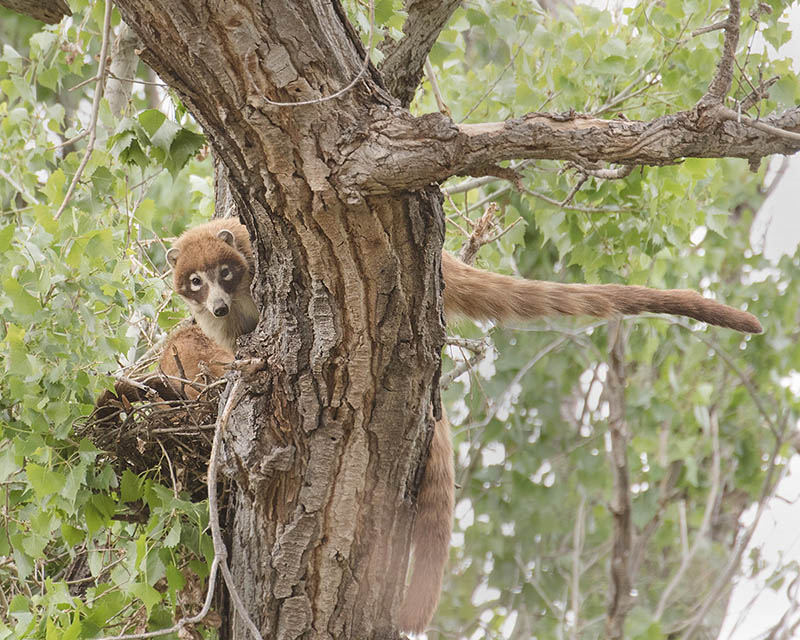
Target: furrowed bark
x=405, y=59
x=326, y=445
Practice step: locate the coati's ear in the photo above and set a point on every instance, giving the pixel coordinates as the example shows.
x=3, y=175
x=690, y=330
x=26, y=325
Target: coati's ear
x=226, y=236
x=172, y=257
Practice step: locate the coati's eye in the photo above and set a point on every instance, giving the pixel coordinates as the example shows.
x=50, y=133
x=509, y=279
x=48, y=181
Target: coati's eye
x=226, y=272
x=196, y=282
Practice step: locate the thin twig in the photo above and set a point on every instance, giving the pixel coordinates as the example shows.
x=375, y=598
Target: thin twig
x=213, y=512
x=577, y=548
x=723, y=581
x=718, y=350
x=220, y=550
x=98, y=96
x=709, y=28
x=571, y=207
x=729, y=114
x=443, y=108
x=20, y=189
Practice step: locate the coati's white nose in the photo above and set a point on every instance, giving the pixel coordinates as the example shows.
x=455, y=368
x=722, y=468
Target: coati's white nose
x=220, y=309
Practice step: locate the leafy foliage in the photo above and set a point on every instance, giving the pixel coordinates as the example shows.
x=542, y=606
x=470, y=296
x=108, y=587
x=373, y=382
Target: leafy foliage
x=87, y=550
x=84, y=548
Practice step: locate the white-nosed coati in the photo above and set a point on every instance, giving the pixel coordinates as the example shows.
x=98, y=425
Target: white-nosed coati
x=213, y=268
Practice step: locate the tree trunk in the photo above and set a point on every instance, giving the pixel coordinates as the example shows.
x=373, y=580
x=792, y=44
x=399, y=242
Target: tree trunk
x=327, y=441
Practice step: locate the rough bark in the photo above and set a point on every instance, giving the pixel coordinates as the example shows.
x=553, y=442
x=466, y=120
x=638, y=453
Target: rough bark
x=326, y=447
x=404, y=152
x=405, y=59
x=48, y=11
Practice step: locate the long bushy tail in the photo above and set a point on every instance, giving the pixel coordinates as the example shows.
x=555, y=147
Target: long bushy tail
x=432, y=529
x=482, y=295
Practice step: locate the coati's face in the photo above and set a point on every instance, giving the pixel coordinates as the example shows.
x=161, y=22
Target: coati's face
x=210, y=273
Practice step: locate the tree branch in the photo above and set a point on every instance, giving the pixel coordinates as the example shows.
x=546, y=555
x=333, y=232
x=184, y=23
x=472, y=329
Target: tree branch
x=621, y=600
x=405, y=58
x=122, y=70
x=723, y=77
x=408, y=153
x=48, y=11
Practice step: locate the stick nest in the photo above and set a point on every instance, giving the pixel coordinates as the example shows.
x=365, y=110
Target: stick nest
x=154, y=427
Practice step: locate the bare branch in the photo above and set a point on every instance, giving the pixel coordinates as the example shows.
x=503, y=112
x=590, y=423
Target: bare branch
x=405, y=58
x=620, y=598
x=723, y=581
x=732, y=115
x=709, y=28
x=429, y=71
x=410, y=153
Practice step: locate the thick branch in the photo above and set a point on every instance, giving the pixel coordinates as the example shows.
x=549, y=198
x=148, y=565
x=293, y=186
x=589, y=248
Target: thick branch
x=404, y=152
x=405, y=58
x=48, y=11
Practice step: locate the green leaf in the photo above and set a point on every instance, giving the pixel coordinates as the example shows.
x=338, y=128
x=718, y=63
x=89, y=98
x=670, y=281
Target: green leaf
x=147, y=594
x=130, y=487
x=44, y=481
x=6, y=235
x=185, y=145
x=151, y=120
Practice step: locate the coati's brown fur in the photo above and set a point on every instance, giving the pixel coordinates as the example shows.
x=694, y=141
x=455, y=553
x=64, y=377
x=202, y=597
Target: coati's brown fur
x=188, y=360
x=483, y=295
x=189, y=356
x=212, y=270
x=469, y=292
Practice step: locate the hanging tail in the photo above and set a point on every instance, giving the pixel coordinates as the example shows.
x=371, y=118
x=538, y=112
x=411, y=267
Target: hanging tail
x=482, y=295
x=432, y=529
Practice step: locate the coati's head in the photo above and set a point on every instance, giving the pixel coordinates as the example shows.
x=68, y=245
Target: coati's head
x=211, y=269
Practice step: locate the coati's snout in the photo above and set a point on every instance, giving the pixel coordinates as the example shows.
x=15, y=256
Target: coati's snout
x=220, y=309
